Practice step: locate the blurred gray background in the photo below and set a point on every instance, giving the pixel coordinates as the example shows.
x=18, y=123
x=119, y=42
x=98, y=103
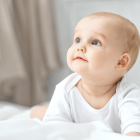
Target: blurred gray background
x=65, y=14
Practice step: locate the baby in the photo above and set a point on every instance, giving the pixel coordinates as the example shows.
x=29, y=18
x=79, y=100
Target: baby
x=104, y=49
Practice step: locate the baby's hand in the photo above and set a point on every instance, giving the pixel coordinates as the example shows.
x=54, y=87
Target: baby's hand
x=133, y=134
x=39, y=112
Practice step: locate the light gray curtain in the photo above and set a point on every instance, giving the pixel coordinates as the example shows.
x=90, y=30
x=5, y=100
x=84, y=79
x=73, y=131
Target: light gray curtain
x=28, y=50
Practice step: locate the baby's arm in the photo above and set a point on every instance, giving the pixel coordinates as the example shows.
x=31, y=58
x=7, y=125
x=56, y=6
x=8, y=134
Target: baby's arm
x=129, y=110
x=59, y=107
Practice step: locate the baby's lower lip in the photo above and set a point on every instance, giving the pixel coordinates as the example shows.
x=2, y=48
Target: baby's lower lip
x=80, y=59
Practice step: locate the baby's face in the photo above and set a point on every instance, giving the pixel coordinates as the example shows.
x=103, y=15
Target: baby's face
x=96, y=42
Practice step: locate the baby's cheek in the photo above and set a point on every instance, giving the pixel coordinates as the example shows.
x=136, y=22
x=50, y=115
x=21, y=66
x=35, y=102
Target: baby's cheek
x=69, y=56
x=98, y=61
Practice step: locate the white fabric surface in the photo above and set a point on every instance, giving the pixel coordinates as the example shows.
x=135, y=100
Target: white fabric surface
x=121, y=113
x=14, y=111
x=9, y=110
x=20, y=127
x=33, y=129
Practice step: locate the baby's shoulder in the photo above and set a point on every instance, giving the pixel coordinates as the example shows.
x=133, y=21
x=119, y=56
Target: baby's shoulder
x=126, y=89
x=69, y=82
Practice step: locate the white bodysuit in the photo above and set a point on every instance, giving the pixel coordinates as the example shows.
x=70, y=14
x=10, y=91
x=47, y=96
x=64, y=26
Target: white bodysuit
x=121, y=113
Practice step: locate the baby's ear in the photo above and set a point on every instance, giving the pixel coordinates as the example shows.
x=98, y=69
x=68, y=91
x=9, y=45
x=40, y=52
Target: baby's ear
x=123, y=61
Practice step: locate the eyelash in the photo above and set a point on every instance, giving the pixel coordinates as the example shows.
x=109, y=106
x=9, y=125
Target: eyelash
x=98, y=41
x=92, y=41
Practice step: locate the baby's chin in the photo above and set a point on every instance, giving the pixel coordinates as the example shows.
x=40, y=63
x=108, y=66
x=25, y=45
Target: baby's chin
x=85, y=71
x=78, y=70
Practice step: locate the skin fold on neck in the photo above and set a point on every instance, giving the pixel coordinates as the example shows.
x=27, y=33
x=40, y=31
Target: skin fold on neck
x=97, y=96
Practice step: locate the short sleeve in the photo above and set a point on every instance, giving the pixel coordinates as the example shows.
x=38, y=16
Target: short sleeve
x=129, y=109
x=59, y=108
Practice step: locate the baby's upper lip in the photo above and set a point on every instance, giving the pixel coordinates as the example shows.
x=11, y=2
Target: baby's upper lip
x=79, y=57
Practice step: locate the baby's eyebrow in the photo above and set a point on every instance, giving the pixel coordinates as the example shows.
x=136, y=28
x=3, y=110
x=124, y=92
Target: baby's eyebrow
x=94, y=32
x=75, y=31
x=100, y=34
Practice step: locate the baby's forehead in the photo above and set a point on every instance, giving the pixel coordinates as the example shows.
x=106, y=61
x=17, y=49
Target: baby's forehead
x=106, y=21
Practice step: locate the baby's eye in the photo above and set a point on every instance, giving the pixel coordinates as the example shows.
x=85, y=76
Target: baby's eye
x=78, y=40
x=96, y=43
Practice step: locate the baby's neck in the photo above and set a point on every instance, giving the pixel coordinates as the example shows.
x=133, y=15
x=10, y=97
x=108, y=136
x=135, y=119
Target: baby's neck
x=96, y=96
x=96, y=91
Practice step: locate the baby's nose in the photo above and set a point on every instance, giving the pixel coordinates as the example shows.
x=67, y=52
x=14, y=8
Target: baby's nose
x=83, y=49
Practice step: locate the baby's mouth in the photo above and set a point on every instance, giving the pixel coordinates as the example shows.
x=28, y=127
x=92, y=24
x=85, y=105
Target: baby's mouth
x=80, y=58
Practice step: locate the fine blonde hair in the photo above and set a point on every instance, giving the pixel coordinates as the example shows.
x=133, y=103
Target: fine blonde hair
x=128, y=35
